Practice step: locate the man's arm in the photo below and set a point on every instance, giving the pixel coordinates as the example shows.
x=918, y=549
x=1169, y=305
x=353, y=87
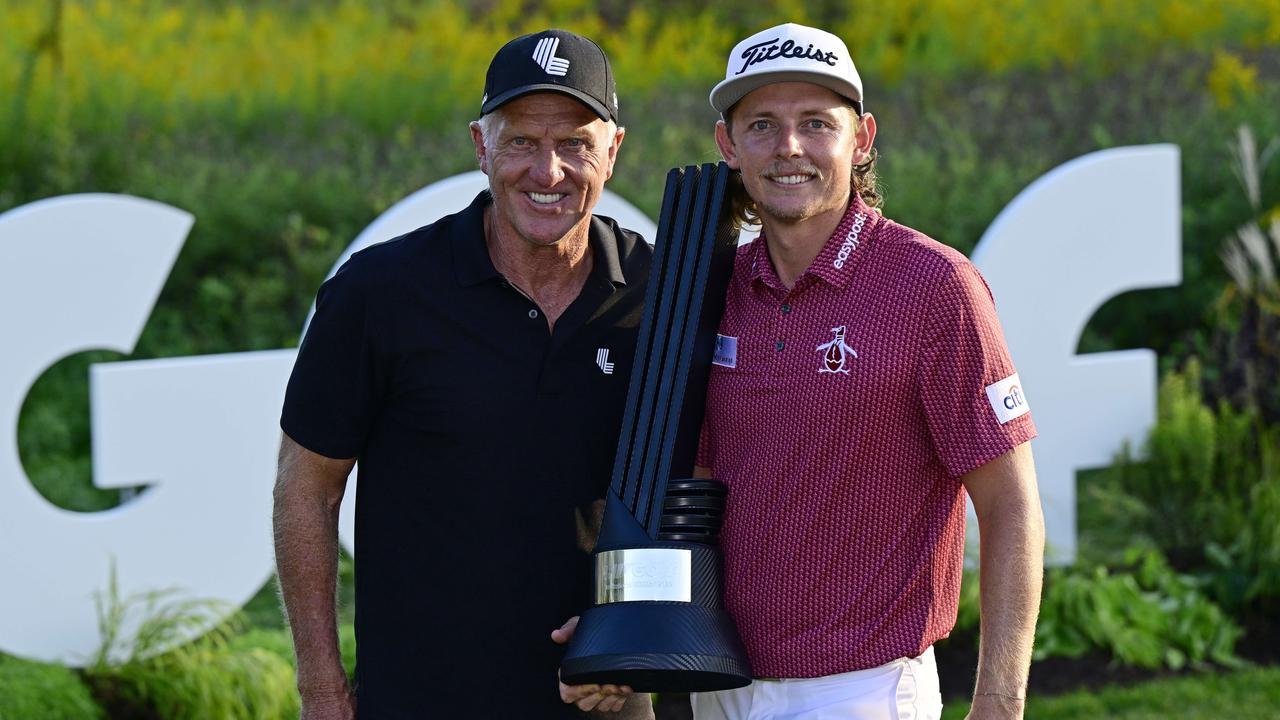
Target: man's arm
x=308, y=491
x=1011, y=528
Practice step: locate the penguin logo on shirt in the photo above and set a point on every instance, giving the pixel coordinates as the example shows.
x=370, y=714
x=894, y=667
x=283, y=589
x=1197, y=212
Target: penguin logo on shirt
x=835, y=353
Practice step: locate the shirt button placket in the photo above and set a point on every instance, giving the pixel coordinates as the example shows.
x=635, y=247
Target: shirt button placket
x=780, y=343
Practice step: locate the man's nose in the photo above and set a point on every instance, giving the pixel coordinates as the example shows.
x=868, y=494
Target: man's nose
x=547, y=170
x=789, y=143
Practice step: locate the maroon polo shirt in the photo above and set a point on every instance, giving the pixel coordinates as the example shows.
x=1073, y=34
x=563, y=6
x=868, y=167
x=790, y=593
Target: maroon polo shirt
x=842, y=414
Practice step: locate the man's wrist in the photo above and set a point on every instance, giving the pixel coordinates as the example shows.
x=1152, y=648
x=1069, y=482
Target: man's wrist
x=1019, y=696
x=321, y=687
x=992, y=704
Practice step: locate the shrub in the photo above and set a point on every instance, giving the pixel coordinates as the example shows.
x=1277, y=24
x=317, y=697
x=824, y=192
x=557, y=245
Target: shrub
x=1149, y=616
x=1246, y=340
x=1142, y=614
x=1209, y=487
x=30, y=690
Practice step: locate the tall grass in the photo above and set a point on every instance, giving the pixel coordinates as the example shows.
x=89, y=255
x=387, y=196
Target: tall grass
x=421, y=60
x=149, y=665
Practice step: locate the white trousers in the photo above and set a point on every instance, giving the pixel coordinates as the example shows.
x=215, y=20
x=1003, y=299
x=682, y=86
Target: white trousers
x=905, y=689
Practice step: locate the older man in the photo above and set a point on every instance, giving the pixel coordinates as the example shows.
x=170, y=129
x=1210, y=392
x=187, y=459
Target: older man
x=860, y=387
x=460, y=364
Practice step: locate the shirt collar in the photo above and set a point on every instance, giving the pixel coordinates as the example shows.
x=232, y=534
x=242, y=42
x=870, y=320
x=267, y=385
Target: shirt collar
x=762, y=264
x=840, y=255
x=604, y=250
x=472, y=264
x=848, y=246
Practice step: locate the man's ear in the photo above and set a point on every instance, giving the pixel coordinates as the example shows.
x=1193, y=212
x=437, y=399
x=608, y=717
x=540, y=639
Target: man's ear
x=727, y=151
x=477, y=138
x=613, y=150
x=864, y=139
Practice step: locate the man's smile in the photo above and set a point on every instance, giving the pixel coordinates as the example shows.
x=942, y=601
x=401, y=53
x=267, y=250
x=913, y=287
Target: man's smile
x=790, y=179
x=545, y=198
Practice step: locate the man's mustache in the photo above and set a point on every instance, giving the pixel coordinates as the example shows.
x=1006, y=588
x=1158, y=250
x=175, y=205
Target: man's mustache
x=792, y=168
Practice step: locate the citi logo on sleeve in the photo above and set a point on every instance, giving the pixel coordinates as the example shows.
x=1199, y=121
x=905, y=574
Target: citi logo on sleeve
x=835, y=353
x=1013, y=400
x=544, y=53
x=602, y=361
x=1007, y=400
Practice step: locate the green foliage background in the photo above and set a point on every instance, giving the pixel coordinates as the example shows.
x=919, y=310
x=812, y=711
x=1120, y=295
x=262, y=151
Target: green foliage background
x=286, y=127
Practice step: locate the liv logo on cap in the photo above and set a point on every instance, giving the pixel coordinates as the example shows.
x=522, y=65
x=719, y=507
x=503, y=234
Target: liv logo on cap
x=788, y=53
x=545, y=55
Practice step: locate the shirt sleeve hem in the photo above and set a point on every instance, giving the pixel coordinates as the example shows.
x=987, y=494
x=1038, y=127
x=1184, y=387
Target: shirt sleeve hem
x=1017, y=435
x=331, y=450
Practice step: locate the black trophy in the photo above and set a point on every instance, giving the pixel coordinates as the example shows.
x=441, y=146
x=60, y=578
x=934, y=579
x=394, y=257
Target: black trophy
x=657, y=623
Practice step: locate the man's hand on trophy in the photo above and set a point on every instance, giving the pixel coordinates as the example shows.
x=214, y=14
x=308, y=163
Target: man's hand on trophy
x=600, y=698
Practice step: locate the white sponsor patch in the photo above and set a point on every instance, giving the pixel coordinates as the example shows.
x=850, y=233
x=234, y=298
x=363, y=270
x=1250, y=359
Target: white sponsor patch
x=726, y=354
x=1007, y=399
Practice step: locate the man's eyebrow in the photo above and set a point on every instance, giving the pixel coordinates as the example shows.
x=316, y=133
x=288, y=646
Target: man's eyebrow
x=821, y=110
x=770, y=114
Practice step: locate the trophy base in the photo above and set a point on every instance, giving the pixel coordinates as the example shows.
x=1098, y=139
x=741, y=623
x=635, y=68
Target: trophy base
x=656, y=647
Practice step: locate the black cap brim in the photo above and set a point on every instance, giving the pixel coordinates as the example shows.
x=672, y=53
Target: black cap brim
x=498, y=101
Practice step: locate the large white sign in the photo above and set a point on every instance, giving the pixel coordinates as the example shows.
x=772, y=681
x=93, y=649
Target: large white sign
x=83, y=272
x=1092, y=229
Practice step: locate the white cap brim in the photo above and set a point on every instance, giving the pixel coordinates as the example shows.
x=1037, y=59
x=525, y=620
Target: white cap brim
x=728, y=92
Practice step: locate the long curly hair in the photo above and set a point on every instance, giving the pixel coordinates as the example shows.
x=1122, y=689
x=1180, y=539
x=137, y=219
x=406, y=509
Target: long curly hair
x=863, y=181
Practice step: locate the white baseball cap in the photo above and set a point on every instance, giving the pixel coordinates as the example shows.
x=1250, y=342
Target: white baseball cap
x=788, y=53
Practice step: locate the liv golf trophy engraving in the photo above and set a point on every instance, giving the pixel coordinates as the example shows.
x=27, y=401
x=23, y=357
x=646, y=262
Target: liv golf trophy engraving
x=657, y=623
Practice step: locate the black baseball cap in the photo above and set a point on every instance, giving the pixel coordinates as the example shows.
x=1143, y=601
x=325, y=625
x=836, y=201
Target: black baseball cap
x=551, y=61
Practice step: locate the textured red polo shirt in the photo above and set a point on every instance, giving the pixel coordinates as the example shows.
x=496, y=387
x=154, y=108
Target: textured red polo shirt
x=842, y=414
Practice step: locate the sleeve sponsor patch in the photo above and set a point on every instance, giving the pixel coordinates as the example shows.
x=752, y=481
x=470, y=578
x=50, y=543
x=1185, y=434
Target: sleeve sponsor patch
x=726, y=354
x=1007, y=399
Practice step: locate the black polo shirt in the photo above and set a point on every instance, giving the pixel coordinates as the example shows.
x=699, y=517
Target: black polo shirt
x=478, y=432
